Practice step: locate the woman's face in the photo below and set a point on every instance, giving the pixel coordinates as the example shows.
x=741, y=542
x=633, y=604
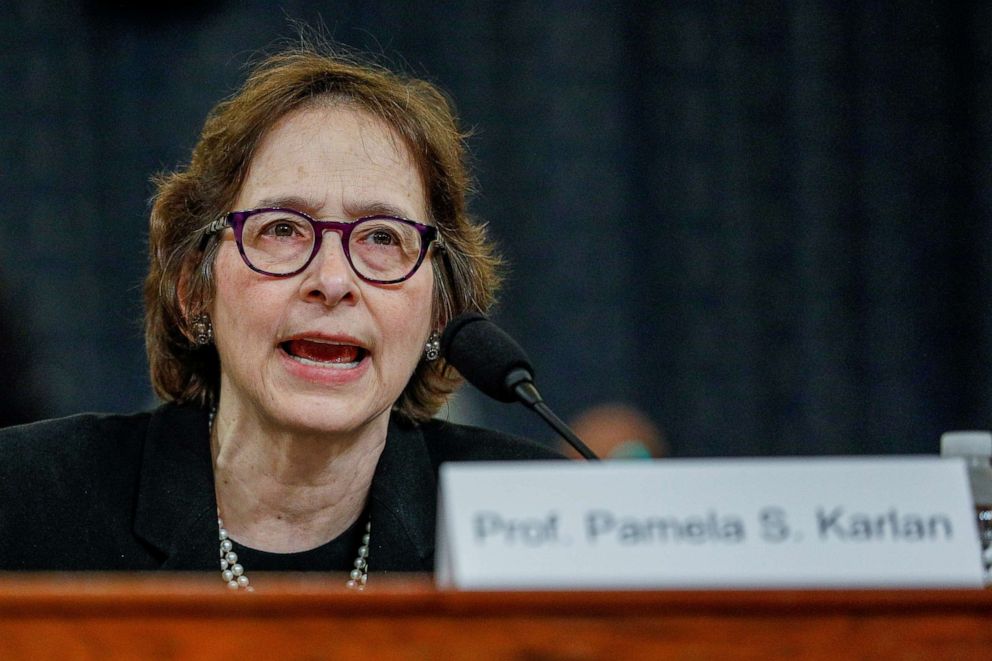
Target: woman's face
x=322, y=350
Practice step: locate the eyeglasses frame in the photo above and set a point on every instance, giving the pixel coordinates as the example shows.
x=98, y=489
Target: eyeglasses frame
x=429, y=235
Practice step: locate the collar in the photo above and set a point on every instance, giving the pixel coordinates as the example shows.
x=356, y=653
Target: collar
x=402, y=503
x=176, y=512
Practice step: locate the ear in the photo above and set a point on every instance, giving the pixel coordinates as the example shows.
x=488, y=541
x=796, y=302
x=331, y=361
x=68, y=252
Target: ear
x=183, y=301
x=440, y=302
x=189, y=301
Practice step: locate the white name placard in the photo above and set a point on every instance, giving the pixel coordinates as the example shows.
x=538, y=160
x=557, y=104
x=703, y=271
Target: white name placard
x=810, y=522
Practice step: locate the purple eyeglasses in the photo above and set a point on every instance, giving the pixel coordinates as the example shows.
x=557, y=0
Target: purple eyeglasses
x=282, y=242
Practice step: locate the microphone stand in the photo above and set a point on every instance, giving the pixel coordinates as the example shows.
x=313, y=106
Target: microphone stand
x=521, y=383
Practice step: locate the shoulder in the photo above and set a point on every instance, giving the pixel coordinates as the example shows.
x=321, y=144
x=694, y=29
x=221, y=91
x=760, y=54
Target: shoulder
x=70, y=488
x=448, y=441
x=61, y=458
x=79, y=438
x=67, y=490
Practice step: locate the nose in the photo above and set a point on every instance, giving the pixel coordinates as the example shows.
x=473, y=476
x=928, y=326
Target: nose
x=329, y=278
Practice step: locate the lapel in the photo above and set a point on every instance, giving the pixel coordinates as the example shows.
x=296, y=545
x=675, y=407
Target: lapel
x=402, y=503
x=176, y=510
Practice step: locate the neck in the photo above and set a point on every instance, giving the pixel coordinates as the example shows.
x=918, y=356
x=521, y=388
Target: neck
x=283, y=490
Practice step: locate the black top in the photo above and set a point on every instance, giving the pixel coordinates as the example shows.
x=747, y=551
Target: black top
x=136, y=492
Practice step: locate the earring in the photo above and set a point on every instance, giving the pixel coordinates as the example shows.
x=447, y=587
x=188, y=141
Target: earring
x=203, y=330
x=432, y=350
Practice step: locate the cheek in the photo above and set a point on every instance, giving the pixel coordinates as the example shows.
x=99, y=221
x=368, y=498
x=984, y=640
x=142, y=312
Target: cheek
x=410, y=321
x=423, y=307
x=238, y=301
x=225, y=285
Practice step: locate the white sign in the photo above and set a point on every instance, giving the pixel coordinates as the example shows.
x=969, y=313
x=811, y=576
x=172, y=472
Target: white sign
x=812, y=522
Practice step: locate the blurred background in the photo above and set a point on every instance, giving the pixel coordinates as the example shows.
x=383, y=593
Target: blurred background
x=765, y=224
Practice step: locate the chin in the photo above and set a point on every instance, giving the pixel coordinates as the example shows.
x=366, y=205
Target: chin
x=329, y=415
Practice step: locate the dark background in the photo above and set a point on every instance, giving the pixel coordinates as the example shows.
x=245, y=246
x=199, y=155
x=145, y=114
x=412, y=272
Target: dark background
x=767, y=224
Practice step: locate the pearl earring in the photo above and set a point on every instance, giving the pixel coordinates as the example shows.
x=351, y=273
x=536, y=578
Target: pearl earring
x=432, y=349
x=203, y=330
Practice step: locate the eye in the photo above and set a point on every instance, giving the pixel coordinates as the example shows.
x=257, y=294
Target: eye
x=382, y=237
x=381, y=233
x=281, y=229
x=277, y=227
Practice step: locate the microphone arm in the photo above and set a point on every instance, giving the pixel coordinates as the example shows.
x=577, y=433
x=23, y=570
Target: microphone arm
x=521, y=383
x=495, y=364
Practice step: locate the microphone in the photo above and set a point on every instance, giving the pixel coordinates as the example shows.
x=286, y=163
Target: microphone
x=493, y=362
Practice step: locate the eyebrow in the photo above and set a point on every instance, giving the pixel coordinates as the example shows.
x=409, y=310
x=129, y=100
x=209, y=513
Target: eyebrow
x=310, y=206
x=370, y=208
x=296, y=202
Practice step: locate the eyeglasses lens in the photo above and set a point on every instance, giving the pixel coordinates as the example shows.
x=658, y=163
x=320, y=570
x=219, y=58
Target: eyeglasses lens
x=279, y=242
x=384, y=249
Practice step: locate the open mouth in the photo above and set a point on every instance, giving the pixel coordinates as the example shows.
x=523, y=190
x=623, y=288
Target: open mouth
x=324, y=354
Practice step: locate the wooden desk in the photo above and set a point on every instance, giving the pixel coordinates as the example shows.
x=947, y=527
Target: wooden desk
x=293, y=617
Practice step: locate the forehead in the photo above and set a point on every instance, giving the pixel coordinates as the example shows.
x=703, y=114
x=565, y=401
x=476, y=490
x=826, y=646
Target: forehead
x=334, y=154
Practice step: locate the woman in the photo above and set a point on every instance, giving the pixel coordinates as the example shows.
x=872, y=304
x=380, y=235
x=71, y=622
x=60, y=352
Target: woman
x=301, y=269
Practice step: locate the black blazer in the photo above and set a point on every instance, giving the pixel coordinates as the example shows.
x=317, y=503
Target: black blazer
x=136, y=492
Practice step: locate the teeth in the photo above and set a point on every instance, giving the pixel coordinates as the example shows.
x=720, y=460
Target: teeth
x=317, y=363
x=323, y=354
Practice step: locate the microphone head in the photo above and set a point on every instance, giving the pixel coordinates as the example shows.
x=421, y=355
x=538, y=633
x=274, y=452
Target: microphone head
x=485, y=355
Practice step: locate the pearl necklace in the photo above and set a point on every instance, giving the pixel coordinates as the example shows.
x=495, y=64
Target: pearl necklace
x=233, y=573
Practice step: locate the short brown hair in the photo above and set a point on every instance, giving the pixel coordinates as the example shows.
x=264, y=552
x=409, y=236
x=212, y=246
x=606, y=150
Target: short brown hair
x=180, y=284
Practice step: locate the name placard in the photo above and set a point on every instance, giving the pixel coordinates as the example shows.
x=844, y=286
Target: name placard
x=811, y=522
